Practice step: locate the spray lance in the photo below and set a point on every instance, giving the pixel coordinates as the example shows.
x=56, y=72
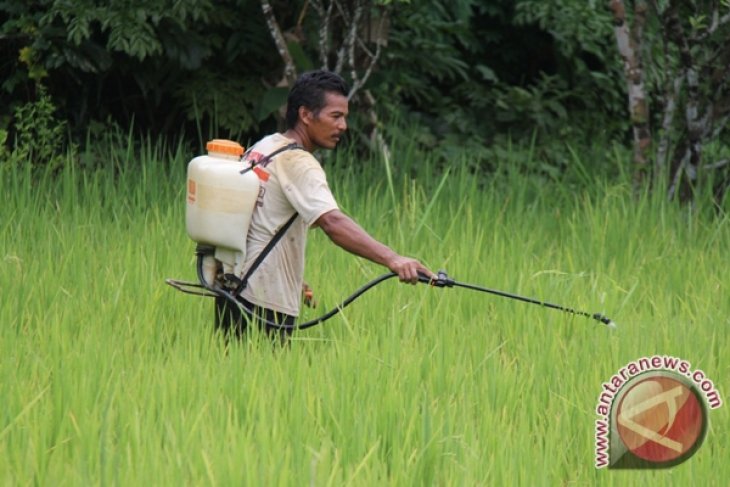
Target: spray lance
x=222, y=191
x=442, y=281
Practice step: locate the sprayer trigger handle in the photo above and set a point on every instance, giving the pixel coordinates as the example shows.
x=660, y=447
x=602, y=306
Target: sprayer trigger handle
x=424, y=278
x=442, y=279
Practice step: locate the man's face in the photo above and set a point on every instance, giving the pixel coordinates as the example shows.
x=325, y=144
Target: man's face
x=326, y=127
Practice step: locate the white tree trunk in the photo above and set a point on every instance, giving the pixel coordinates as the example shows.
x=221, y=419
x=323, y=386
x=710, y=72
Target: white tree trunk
x=629, y=47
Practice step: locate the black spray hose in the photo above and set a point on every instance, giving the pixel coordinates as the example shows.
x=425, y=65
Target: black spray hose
x=442, y=280
x=301, y=326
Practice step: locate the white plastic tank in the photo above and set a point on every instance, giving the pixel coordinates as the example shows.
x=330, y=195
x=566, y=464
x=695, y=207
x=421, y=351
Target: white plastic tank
x=220, y=202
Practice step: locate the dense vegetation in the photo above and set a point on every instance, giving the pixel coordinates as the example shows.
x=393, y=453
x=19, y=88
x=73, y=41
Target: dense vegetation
x=158, y=62
x=459, y=76
x=490, y=138
x=110, y=377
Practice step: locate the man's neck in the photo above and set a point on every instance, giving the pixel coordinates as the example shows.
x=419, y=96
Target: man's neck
x=300, y=138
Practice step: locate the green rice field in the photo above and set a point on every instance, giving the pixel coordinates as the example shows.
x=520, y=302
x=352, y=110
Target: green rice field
x=110, y=377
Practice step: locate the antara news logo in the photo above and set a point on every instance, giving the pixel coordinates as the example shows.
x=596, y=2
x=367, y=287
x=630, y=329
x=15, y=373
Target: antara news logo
x=653, y=414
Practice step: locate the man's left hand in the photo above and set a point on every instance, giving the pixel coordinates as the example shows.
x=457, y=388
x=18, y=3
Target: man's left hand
x=308, y=296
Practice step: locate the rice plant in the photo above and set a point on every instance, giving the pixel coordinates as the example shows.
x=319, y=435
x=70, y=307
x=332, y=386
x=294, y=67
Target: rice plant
x=111, y=377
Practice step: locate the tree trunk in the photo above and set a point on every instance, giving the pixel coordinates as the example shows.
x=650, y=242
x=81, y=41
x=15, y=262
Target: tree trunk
x=629, y=47
x=346, y=22
x=290, y=71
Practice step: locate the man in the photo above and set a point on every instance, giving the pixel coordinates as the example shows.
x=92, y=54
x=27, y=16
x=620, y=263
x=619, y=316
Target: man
x=293, y=182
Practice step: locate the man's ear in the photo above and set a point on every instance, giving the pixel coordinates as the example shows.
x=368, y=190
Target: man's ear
x=305, y=115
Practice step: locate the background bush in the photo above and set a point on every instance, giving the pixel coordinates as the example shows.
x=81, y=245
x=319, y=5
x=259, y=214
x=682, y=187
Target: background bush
x=463, y=69
x=462, y=75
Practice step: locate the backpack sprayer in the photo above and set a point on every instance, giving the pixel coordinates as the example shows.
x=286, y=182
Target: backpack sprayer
x=221, y=195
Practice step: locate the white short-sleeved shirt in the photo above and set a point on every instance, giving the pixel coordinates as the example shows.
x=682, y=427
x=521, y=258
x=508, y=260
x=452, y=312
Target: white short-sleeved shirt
x=296, y=183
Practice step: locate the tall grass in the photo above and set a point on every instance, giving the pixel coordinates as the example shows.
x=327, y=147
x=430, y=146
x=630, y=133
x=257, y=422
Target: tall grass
x=110, y=377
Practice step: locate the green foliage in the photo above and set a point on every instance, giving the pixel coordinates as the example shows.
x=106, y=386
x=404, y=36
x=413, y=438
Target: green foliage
x=112, y=377
x=4, y=152
x=685, y=55
x=466, y=71
x=142, y=61
x=541, y=105
x=39, y=135
x=29, y=58
x=230, y=104
x=469, y=72
x=576, y=26
x=425, y=43
x=132, y=27
x=585, y=53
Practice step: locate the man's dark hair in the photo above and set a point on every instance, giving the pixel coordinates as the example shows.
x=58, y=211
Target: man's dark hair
x=309, y=90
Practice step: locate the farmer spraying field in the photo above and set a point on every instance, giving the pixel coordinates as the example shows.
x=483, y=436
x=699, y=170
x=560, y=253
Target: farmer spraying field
x=294, y=196
x=252, y=262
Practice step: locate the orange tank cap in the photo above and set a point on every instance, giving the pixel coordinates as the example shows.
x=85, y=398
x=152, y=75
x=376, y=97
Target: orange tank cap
x=225, y=147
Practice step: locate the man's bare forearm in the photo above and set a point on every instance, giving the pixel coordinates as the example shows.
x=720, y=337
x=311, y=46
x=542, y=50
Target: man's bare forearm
x=344, y=232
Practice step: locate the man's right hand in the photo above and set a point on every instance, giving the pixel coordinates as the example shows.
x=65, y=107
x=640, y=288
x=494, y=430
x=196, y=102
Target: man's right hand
x=408, y=269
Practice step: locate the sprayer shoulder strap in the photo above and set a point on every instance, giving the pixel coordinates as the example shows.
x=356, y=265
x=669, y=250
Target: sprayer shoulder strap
x=264, y=161
x=279, y=233
x=269, y=246
x=293, y=146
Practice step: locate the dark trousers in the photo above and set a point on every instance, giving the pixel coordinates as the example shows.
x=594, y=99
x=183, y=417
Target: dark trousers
x=233, y=323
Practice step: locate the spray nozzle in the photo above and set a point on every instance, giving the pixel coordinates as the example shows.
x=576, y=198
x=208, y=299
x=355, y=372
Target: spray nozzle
x=605, y=320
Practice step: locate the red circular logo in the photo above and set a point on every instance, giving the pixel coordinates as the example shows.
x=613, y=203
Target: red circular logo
x=660, y=418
